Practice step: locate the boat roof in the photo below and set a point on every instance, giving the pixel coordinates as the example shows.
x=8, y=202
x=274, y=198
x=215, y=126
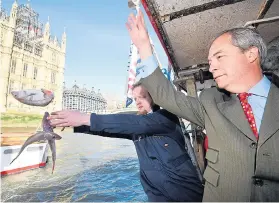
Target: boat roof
x=186, y=28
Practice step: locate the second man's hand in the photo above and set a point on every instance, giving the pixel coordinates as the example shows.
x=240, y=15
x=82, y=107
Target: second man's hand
x=69, y=118
x=139, y=35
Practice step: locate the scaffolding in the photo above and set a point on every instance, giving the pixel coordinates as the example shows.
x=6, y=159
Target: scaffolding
x=3, y=13
x=28, y=30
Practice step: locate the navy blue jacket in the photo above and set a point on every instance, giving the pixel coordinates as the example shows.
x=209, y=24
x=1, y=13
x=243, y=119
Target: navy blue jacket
x=166, y=171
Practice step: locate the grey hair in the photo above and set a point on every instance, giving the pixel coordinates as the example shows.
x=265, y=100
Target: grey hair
x=245, y=38
x=271, y=62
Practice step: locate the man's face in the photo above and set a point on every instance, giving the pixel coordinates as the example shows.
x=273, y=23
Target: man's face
x=228, y=64
x=142, y=99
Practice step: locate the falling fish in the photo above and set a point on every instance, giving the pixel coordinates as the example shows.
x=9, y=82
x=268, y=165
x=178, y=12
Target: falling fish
x=34, y=97
x=46, y=134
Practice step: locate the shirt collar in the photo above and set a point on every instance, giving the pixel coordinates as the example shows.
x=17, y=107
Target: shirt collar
x=261, y=88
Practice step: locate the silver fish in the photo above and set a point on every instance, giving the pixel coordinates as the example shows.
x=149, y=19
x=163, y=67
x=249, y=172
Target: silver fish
x=34, y=97
x=46, y=134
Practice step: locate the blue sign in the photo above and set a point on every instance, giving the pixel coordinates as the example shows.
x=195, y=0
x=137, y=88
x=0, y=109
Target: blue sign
x=166, y=73
x=129, y=101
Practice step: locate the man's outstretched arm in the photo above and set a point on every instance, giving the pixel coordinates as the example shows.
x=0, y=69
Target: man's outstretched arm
x=122, y=124
x=86, y=129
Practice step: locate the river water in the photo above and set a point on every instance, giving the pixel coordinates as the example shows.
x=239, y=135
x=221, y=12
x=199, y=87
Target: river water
x=88, y=168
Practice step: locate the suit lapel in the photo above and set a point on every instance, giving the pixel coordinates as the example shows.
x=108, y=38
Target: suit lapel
x=232, y=110
x=270, y=120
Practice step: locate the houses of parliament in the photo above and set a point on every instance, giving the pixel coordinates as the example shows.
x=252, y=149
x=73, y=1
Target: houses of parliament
x=30, y=58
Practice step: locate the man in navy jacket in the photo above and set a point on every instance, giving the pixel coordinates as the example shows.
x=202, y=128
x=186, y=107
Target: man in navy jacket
x=166, y=170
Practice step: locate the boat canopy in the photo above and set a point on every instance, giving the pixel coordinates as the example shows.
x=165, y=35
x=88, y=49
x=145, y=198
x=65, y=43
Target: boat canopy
x=186, y=28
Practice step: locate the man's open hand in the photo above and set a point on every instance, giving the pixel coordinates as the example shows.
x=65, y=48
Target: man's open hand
x=139, y=36
x=69, y=118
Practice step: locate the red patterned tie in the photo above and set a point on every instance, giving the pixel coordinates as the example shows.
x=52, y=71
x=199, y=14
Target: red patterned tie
x=243, y=97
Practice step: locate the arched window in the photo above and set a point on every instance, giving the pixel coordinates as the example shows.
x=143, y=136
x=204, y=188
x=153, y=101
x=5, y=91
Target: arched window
x=13, y=67
x=25, y=70
x=52, y=77
x=35, y=73
x=11, y=86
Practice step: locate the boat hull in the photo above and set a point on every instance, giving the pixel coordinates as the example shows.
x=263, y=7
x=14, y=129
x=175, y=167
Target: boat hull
x=33, y=156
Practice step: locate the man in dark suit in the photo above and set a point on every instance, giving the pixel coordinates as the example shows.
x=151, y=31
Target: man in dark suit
x=166, y=170
x=241, y=116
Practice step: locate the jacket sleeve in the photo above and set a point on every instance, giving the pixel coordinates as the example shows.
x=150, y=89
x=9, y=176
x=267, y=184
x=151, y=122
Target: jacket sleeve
x=164, y=94
x=132, y=125
x=86, y=129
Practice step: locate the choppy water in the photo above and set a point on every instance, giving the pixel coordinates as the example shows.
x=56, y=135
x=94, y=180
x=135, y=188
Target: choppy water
x=88, y=168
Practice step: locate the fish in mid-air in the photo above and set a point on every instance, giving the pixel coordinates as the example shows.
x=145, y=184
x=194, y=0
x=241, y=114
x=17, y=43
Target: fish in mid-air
x=46, y=134
x=34, y=97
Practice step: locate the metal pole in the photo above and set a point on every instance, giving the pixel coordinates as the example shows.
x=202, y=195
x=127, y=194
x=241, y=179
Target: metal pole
x=261, y=21
x=189, y=147
x=198, y=141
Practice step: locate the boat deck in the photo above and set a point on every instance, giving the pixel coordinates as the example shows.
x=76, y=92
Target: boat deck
x=15, y=138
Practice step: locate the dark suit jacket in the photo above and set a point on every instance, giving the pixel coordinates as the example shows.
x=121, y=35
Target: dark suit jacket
x=166, y=171
x=240, y=168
